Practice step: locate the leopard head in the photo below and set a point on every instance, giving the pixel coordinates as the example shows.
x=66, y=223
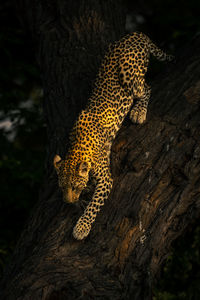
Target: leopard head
x=73, y=176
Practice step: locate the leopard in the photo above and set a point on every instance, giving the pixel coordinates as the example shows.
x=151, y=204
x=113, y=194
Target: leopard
x=120, y=88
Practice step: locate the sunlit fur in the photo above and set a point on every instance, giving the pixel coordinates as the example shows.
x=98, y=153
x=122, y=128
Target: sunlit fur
x=121, y=80
x=72, y=179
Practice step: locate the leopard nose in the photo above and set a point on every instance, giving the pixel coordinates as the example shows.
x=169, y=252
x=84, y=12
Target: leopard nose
x=67, y=196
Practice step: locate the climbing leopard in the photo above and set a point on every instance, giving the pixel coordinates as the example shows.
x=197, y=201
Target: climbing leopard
x=120, y=81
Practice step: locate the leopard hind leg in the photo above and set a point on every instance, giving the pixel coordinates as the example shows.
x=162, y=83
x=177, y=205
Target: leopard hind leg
x=139, y=111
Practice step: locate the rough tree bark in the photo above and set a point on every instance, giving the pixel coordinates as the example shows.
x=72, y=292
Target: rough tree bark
x=156, y=167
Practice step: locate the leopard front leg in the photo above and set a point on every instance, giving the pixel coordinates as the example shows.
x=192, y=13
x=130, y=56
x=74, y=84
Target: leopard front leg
x=139, y=111
x=102, y=190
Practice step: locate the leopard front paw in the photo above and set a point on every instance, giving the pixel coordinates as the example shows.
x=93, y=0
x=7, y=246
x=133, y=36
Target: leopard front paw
x=138, y=115
x=82, y=229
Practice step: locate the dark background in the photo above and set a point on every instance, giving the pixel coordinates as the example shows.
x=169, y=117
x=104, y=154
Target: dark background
x=172, y=25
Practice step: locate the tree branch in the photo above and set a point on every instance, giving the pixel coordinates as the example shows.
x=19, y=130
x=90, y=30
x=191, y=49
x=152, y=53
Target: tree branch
x=155, y=167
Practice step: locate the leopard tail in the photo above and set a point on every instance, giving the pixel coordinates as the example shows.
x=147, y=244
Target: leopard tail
x=158, y=53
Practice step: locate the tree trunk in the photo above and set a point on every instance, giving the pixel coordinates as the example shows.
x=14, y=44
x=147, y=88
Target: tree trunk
x=155, y=166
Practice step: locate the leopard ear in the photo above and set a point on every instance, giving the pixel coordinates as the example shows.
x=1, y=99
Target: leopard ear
x=83, y=168
x=57, y=160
